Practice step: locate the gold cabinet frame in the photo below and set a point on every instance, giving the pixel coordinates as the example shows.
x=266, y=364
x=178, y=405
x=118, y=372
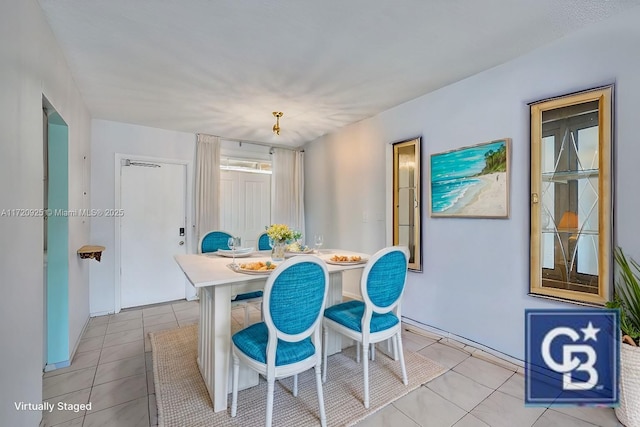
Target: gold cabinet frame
x=571, y=197
x=406, y=200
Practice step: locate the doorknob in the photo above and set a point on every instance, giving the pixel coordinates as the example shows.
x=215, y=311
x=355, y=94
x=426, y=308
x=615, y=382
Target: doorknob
x=181, y=242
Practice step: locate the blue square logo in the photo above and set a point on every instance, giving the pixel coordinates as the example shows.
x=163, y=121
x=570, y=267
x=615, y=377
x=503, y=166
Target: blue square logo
x=572, y=357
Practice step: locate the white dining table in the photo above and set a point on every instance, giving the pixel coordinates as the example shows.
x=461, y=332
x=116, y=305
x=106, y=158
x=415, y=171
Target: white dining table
x=217, y=283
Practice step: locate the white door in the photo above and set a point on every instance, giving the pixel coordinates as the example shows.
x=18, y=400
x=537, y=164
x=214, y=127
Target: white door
x=245, y=204
x=153, y=202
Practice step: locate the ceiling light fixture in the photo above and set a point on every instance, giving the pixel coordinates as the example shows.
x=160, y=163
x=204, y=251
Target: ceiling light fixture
x=276, y=127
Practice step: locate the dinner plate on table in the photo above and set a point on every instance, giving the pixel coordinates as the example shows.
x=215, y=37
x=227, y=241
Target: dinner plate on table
x=360, y=261
x=249, y=271
x=288, y=254
x=254, y=272
x=240, y=253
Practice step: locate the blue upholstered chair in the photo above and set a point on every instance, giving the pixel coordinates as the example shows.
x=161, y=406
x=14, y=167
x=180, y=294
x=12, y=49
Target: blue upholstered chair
x=214, y=240
x=288, y=342
x=263, y=242
x=211, y=242
x=377, y=318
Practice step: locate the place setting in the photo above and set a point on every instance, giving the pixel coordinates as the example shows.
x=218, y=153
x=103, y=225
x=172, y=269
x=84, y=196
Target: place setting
x=229, y=253
x=235, y=249
x=255, y=268
x=338, y=259
x=297, y=248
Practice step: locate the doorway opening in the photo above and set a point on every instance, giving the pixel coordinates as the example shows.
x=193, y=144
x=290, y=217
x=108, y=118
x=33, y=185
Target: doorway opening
x=56, y=238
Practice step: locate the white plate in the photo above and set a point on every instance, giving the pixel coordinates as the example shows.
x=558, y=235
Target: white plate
x=230, y=255
x=239, y=251
x=254, y=272
x=362, y=261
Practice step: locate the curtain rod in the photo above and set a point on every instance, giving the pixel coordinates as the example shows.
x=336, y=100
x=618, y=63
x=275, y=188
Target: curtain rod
x=264, y=144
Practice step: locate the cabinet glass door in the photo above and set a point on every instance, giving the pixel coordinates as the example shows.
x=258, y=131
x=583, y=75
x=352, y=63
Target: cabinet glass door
x=571, y=197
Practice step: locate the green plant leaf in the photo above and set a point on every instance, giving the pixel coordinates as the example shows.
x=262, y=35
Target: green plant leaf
x=627, y=294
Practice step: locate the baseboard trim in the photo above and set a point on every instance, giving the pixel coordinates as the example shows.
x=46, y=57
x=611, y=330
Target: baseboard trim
x=418, y=326
x=101, y=313
x=53, y=366
x=66, y=363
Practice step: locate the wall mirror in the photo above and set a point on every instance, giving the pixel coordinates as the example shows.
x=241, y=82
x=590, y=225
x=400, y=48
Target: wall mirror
x=571, y=197
x=406, y=199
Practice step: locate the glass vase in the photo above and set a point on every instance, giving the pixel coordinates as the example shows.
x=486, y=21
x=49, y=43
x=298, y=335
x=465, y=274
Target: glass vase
x=277, y=252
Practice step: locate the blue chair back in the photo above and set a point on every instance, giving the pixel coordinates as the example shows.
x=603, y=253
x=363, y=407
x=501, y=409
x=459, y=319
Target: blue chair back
x=263, y=242
x=384, y=278
x=294, y=298
x=214, y=240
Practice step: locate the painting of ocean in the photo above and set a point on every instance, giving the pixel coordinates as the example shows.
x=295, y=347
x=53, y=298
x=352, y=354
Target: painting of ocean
x=471, y=181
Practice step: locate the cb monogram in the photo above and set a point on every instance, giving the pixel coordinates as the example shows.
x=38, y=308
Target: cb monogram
x=569, y=362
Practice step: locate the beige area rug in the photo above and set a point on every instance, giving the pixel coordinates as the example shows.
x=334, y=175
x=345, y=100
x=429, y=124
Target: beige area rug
x=183, y=400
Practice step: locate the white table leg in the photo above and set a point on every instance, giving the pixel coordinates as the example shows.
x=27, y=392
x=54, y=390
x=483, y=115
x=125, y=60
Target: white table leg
x=204, y=334
x=221, y=322
x=215, y=336
x=214, y=346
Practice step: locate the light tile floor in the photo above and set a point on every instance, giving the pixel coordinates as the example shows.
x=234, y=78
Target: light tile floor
x=113, y=370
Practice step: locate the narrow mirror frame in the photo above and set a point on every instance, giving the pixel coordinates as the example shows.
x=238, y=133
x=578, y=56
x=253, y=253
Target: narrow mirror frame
x=414, y=207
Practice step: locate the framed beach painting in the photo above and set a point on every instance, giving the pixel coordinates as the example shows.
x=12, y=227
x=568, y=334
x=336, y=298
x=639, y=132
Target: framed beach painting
x=471, y=181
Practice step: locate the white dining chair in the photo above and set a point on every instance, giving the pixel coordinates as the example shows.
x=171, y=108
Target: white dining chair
x=288, y=342
x=377, y=317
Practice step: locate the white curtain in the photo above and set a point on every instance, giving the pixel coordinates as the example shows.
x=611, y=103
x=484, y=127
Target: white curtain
x=207, y=184
x=287, y=188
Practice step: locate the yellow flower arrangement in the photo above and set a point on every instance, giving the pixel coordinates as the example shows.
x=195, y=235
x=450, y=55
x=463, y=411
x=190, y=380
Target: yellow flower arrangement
x=282, y=233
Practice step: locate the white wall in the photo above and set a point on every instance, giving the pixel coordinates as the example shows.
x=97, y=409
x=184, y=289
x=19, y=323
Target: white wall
x=345, y=188
x=475, y=279
x=33, y=65
x=109, y=138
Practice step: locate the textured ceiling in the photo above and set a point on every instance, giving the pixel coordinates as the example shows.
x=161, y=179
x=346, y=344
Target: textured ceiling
x=222, y=67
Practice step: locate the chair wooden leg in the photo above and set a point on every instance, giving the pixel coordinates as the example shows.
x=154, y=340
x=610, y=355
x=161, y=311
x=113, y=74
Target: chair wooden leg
x=234, y=396
x=401, y=354
x=394, y=343
x=246, y=315
x=395, y=352
x=325, y=337
x=392, y=349
x=365, y=368
x=295, y=385
x=270, y=388
x=323, y=416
